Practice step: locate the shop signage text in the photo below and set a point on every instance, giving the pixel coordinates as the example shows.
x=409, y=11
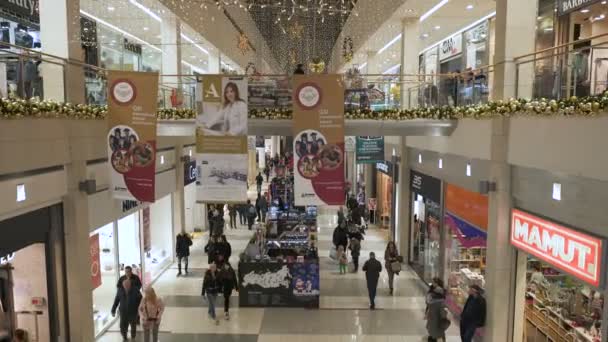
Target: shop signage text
x=384, y=167
x=576, y=253
x=450, y=47
x=132, y=47
x=190, y=172
x=28, y=8
x=128, y=205
x=568, y=6
x=426, y=186
x=7, y=258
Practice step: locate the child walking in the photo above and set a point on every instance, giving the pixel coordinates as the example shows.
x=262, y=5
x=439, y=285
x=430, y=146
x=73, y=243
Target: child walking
x=343, y=260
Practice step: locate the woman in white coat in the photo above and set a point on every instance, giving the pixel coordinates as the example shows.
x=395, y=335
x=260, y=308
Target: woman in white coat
x=233, y=117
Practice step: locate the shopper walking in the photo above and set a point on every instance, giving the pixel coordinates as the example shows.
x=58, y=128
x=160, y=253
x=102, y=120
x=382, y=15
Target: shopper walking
x=342, y=260
x=263, y=204
x=259, y=180
x=223, y=248
x=355, y=250
x=340, y=237
x=391, y=263
x=242, y=210
x=267, y=173
x=129, y=275
x=20, y=336
x=150, y=313
x=437, y=321
x=211, y=249
x=473, y=314
x=372, y=269
x=211, y=287
x=5, y=327
x=251, y=213
x=229, y=283
x=232, y=214
x=127, y=302
x=182, y=250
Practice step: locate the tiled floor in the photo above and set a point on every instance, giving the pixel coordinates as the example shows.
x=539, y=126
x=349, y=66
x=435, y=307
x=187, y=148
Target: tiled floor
x=343, y=315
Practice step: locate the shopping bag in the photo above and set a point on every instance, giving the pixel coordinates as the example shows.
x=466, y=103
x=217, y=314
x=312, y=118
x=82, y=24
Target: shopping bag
x=351, y=267
x=333, y=253
x=396, y=266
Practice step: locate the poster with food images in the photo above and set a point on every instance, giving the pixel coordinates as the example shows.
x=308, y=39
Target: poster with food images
x=318, y=140
x=131, y=139
x=221, y=140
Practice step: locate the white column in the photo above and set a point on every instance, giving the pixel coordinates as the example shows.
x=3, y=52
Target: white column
x=170, y=32
x=60, y=36
x=402, y=199
x=501, y=266
x=213, y=65
x=410, y=39
x=179, y=197
x=514, y=36
x=274, y=146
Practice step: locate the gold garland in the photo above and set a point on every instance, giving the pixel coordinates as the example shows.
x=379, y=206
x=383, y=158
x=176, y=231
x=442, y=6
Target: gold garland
x=573, y=106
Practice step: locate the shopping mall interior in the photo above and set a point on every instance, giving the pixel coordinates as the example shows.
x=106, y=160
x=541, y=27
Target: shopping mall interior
x=219, y=153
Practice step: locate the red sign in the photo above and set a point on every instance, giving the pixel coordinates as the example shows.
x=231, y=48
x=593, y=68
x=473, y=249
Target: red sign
x=95, y=262
x=576, y=253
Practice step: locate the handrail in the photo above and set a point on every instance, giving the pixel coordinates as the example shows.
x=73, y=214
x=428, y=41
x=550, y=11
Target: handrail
x=561, y=46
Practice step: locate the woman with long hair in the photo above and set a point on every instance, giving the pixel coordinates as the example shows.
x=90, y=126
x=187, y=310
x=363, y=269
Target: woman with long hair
x=232, y=118
x=151, y=310
x=391, y=255
x=235, y=111
x=211, y=288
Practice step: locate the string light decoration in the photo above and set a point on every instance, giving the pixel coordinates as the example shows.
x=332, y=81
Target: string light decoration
x=347, y=49
x=243, y=43
x=291, y=8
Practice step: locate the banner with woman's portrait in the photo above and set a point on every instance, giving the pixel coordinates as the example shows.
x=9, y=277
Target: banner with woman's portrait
x=318, y=140
x=221, y=140
x=132, y=106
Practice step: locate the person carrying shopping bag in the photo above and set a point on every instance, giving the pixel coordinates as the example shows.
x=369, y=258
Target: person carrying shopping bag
x=151, y=311
x=392, y=263
x=437, y=321
x=211, y=287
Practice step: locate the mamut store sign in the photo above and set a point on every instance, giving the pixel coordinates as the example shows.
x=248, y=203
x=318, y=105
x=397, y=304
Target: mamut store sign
x=572, y=251
x=567, y=6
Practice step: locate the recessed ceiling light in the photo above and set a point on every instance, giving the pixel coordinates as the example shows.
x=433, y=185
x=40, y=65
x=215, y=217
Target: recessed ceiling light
x=603, y=2
x=425, y=35
x=437, y=27
x=470, y=7
x=585, y=10
x=110, y=8
x=146, y=28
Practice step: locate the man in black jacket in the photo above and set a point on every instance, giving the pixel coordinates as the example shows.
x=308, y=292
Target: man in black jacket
x=182, y=250
x=134, y=278
x=127, y=301
x=473, y=314
x=372, y=269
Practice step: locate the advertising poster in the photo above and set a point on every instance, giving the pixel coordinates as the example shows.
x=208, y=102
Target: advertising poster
x=145, y=218
x=221, y=140
x=370, y=150
x=318, y=140
x=95, y=261
x=132, y=106
x=279, y=284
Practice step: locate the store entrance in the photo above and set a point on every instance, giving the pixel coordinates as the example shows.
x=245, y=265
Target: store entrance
x=7, y=308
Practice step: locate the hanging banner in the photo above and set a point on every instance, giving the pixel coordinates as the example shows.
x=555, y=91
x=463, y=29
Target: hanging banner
x=145, y=226
x=370, y=150
x=95, y=261
x=318, y=140
x=221, y=140
x=132, y=105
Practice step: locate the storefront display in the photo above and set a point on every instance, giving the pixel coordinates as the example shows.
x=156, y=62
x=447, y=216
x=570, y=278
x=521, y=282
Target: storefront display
x=104, y=292
x=384, y=187
x=425, y=226
x=465, y=241
x=565, y=273
x=158, y=253
x=28, y=291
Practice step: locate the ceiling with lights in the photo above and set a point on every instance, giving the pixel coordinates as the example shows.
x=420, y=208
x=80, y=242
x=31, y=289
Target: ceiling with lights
x=438, y=19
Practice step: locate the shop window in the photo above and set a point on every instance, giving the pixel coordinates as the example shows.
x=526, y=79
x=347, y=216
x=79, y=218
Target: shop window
x=104, y=286
x=129, y=252
x=158, y=238
x=559, y=307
